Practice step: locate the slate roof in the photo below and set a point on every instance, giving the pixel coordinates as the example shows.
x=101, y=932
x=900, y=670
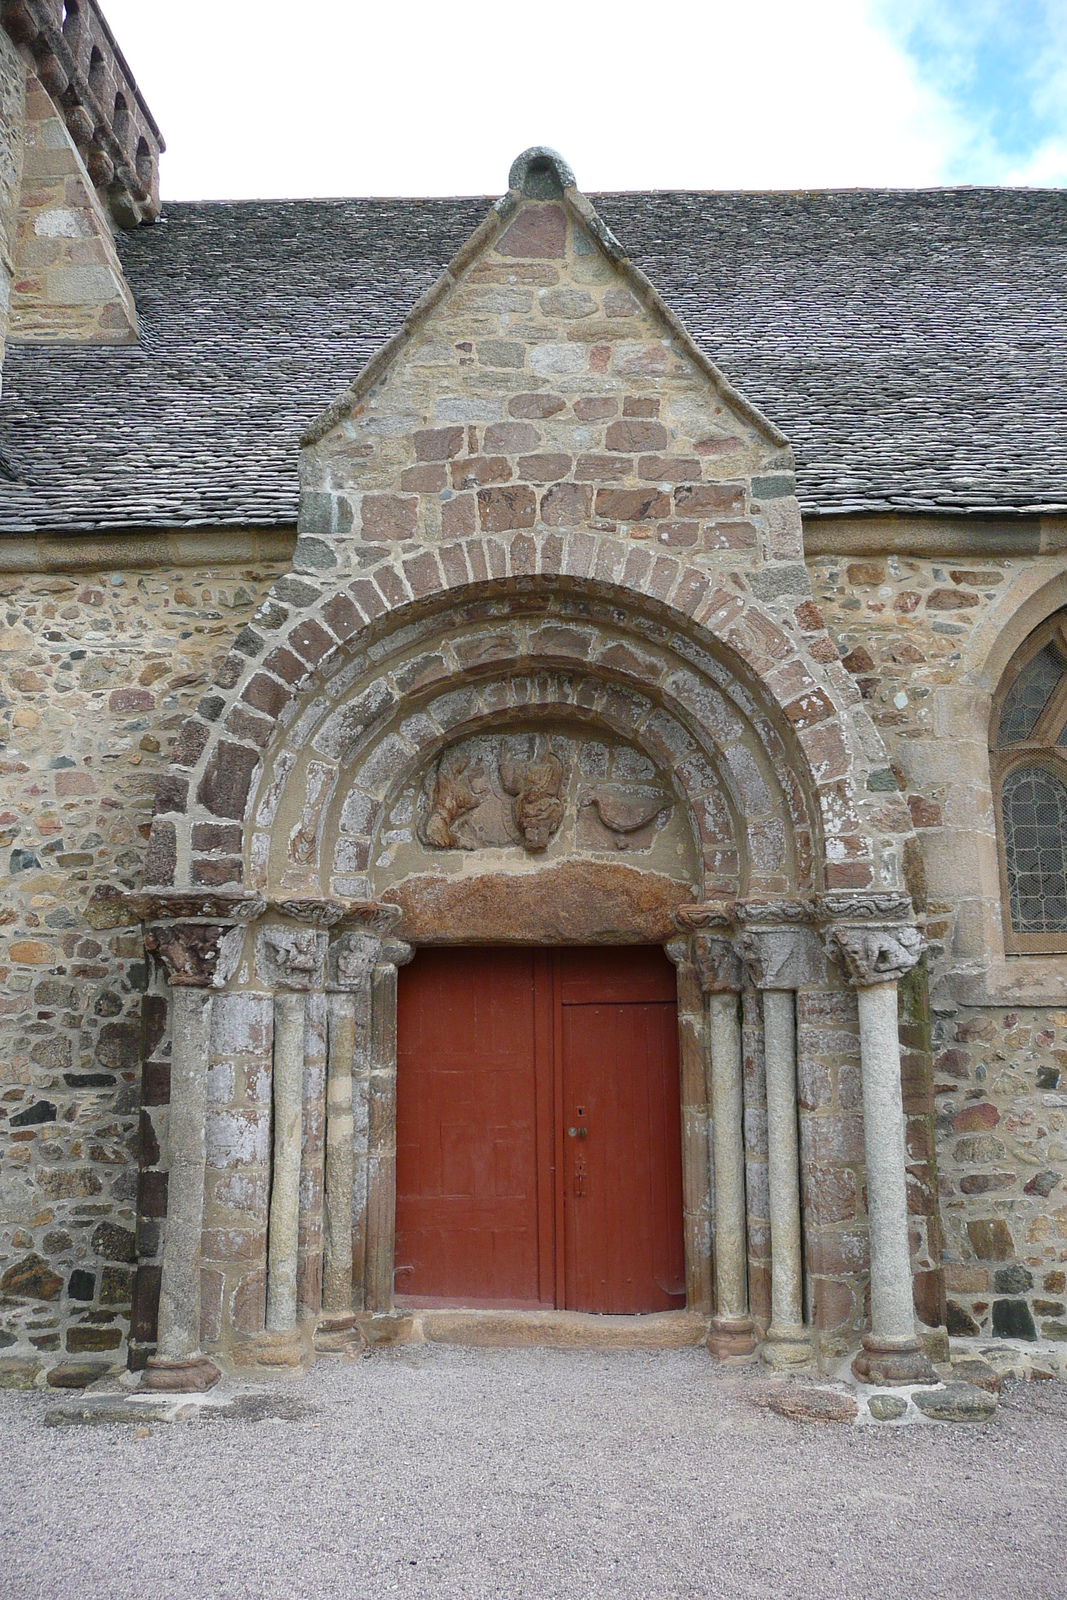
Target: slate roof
x=911, y=344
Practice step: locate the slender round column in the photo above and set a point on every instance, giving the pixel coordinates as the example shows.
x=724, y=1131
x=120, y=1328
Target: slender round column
x=197, y=957
x=351, y=968
x=782, y=954
x=381, y=1132
x=731, y=1332
x=290, y=959
x=875, y=954
x=788, y=1342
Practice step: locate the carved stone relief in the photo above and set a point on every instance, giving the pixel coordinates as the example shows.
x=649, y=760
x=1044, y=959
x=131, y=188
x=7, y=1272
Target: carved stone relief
x=534, y=793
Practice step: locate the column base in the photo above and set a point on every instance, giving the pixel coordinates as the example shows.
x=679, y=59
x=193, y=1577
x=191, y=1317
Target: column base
x=892, y=1361
x=730, y=1337
x=180, y=1377
x=788, y=1347
x=339, y=1333
x=276, y=1350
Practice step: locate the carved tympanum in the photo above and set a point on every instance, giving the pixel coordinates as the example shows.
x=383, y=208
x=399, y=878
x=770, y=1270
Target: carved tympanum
x=458, y=787
x=538, y=809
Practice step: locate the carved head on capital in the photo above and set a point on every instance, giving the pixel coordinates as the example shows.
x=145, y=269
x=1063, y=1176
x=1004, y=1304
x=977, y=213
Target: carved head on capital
x=873, y=955
x=196, y=955
x=291, y=958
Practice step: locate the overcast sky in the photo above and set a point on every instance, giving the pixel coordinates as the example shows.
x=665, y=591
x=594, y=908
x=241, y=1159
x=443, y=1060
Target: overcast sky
x=334, y=97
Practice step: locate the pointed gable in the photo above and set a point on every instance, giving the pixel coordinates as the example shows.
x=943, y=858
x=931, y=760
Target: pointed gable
x=542, y=382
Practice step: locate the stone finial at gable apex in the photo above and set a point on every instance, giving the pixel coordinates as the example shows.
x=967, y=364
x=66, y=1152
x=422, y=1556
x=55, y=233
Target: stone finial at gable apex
x=540, y=174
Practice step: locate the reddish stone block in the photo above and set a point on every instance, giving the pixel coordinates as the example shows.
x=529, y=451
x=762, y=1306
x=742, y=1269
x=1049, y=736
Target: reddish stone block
x=951, y=600
x=709, y=499
x=809, y=617
x=539, y=232
x=636, y=434
x=544, y=468
x=189, y=745
x=144, y=1315
x=566, y=504
x=311, y=641
x=691, y=590
x=172, y=794
x=858, y=660
x=632, y=505
x=393, y=588
x=389, y=516
x=644, y=405
x=595, y=408
x=924, y=813
x=423, y=574
x=342, y=617
x=428, y=478
x=597, y=468
x=216, y=874
x=283, y=664
x=125, y=700
x=223, y=790
x=536, y=406
x=599, y=358
x=809, y=709
x=248, y=1307
x=523, y=556
x=991, y=1239
x=367, y=598
x=511, y=438
x=458, y=517
x=505, y=508
x=833, y=1303
x=438, y=444
x=679, y=535
x=668, y=469
x=663, y=577
x=475, y=470
x=266, y=694
x=976, y=1118
x=248, y=727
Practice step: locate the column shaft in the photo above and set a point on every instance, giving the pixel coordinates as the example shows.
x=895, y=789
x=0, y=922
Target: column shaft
x=179, y=1298
x=732, y=1326
x=283, y=1234
x=787, y=1340
x=892, y=1308
x=337, y=1273
x=381, y=1144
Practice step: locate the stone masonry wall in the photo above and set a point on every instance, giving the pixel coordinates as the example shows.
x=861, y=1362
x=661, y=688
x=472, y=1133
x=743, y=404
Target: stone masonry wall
x=904, y=626
x=97, y=672
x=12, y=112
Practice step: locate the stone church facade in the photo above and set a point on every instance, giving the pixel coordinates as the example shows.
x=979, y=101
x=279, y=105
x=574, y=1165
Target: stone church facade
x=569, y=643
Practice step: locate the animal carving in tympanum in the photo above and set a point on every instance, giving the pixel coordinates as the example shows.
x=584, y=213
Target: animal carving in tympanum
x=535, y=785
x=458, y=788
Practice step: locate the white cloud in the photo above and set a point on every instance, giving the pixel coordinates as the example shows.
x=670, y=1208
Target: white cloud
x=438, y=99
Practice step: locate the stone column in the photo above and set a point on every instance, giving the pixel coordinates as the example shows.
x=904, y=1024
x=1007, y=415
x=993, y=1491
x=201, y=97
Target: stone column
x=696, y=1161
x=290, y=959
x=381, y=1130
x=720, y=973
x=353, y=957
x=198, y=957
x=877, y=945
x=781, y=955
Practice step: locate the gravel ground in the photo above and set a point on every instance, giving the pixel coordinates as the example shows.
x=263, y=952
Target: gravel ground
x=533, y=1473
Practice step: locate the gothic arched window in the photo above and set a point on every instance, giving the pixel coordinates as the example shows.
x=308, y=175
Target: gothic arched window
x=1029, y=750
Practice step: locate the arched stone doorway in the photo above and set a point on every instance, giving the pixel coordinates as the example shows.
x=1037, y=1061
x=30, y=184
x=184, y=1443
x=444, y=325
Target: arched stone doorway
x=512, y=694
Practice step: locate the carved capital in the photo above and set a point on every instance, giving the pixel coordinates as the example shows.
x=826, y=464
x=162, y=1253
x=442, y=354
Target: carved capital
x=718, y=964
x=352, y=959
x=778, y=945
x=865, y=905
x=291, y=958
x=196, y=955
x=306, y=908
x=709, y=914
x=377, y=916
x=874, y=954
x=395, y=953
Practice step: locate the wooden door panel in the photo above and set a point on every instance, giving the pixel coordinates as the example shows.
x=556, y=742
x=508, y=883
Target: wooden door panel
x=489, y=1041
x=467, y=1230
x=622, y=1189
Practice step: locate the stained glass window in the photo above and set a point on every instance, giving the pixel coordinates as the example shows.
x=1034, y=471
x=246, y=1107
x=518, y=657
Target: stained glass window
x=1029, y=695
x=1034, y=811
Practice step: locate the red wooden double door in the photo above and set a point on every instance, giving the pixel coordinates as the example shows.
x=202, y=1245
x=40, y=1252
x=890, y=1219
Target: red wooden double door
x=539, y=1130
